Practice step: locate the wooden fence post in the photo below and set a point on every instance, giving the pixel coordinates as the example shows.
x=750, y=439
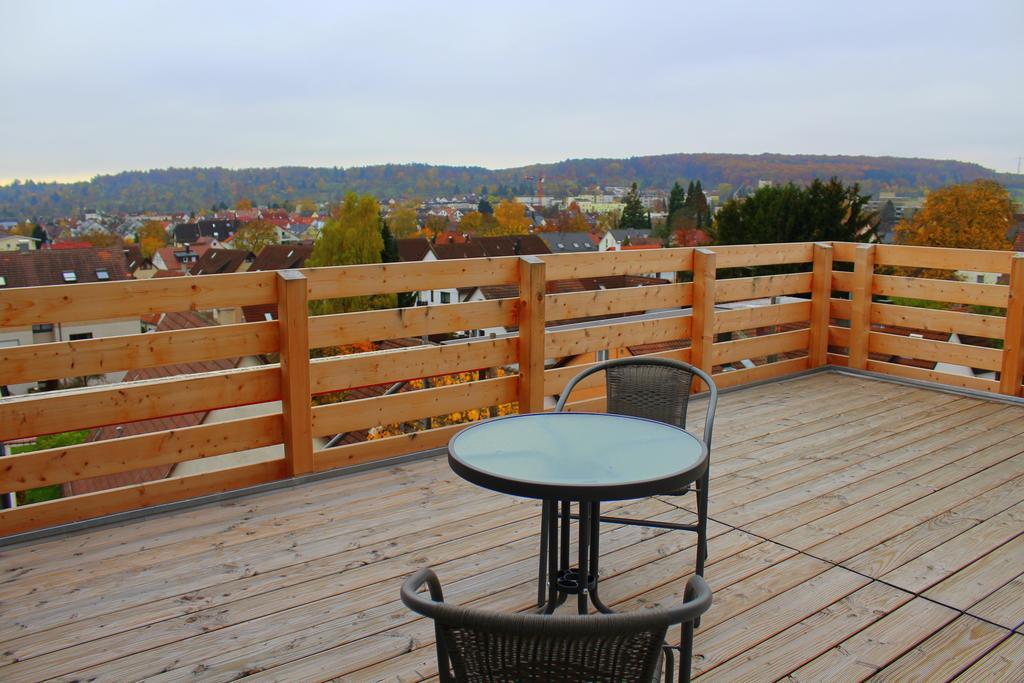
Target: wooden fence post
x=702, y=334
x=532, y=289
x=860, y=306
x=1013, y=338
x=821, y=305
x=293, y=330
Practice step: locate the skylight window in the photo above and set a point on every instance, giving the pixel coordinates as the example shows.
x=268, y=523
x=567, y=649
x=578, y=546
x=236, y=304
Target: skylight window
x=70, y=276
x=3, y=281
x=102, y=274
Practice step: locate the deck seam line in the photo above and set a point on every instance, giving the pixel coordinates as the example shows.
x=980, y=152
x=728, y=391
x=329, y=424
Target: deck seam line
x=961, y=612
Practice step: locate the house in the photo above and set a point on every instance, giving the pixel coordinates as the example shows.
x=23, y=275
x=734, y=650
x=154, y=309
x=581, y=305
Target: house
x=215, y=261
x=178, y=258
x=189, y=233
x=568, y=242
x=12, y=242
x=614, y=239
x=63, y=267
x=513, y=245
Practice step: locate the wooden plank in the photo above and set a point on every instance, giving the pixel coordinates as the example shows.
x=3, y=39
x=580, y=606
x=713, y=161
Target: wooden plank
x=761, y=372
x=941, y=290
x=388, y=367
x=556, y=378
x=129, y=299
x=759, y=347
x=762, y=316
x=841, y=309
x=761, y=287
x=842, y=281
x=414, y=321
x=839, y=336
x=870, y=650
x=942, y=258
x=1004, y=606
x=380, y=449
x=94, y=459
x=932, y=320
x=63, y=411
x=348, y=416
x=1004, y=663
x=860, y=306
x=643, y=262
x=821, y=304
x=737, y=256
x=910, y=372
x=705, y=293
x=531, y=350
x=981, y=578
x=390, y=278
x=1012, y=367
x=844, y=251
x=58, y=360
x=562, y=343
x=945, y=654
x=936, y=351
x=296, y=412
x=138, y=496
x=622, y=300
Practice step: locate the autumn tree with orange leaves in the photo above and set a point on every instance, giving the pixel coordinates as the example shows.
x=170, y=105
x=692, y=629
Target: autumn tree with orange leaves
x=511, y=219
x=974, y=215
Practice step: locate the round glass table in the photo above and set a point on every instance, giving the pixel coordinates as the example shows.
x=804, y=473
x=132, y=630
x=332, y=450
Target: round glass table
x=575, y=457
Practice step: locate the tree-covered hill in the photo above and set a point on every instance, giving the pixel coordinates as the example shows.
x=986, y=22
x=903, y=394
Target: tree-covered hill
x=190, y=189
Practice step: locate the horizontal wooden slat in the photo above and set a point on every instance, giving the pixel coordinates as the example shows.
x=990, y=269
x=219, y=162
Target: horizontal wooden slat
x=98, y=458
x=937, y=351
x=763, y=254
x=556, y=379
x=839, y=336
x=896, y=370
x=350, y=416
x=638, y=262
x=380, y=449
x=838, y=359
x=932, y=320
x=843, y=251
x=388, y=367
x=840, y=308
x=941, y=258
x=615, y=336
x=415, y=321
x=108, y=502
x=761, y=287
x=762, y=316
x=941, y=290
x=612, y=301
x=58, y=360
x=110, y=300
x=758, y=347
x=389, y=278
x=782, y=368
x=99, y=406
x=842, y=281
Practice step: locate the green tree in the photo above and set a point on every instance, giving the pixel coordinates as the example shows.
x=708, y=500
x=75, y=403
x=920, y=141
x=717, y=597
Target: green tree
x=485, y=206
x=403, y=220
x=819, y=212
x=633, y=214
x=255, y=235
x=352, y=236
x=676, y=199
x=40, y=235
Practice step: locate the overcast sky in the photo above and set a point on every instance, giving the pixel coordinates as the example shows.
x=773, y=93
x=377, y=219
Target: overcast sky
x=101, y=87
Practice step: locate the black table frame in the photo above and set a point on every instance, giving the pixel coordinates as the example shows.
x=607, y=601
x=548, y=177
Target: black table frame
x=558, y=578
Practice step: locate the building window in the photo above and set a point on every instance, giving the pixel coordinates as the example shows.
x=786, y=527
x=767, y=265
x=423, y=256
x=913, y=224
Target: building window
x=102, y=274
x=80, y=335
x=446, y=297
x=37, y=329
x=3, y=281
x=70, y=276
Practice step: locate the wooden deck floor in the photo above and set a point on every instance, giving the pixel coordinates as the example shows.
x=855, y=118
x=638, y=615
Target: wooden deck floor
x=861, y=529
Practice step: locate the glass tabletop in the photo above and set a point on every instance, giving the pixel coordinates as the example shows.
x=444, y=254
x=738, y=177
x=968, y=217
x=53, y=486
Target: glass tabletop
x=579, y=456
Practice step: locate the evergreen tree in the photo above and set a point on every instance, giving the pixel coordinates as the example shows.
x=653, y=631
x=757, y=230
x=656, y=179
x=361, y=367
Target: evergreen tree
x=40, y=235
x=633, y=214
x=484, y=206
x=676, y=199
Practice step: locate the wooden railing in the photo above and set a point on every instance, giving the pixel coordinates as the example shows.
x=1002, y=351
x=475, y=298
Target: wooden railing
x=833, y=320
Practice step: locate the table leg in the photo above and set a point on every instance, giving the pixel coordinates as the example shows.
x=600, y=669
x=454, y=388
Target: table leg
x=542, y=570
x=552, y=525
x=584, y=558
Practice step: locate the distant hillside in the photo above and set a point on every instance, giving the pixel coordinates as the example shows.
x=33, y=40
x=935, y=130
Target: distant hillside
x=182, y=189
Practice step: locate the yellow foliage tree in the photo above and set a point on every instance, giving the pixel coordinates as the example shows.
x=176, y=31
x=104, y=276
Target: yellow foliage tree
x=243, y=204
x=255, y=235
x=973, y=215
x=152, y=236
x=23, y=229
x=511, y=219
x=403, y=220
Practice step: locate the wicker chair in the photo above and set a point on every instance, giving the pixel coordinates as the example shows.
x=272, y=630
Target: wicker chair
x=478, y=645
x=656, y=389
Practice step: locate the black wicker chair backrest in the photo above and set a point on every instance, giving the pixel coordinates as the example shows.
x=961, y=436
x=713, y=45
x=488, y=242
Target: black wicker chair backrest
x=654, y=388
x=478, y=645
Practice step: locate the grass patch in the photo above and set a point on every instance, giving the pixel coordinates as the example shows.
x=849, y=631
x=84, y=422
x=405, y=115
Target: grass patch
x=52, y=492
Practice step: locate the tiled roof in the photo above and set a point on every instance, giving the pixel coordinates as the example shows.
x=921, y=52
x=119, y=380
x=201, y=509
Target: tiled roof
x=413, y=249
x=281, y=257
x=219, y=261
x=133, y=257
x=191, y=232
x=47, y=267
x=568, y=242
x=513, y=245
x=170, y=321
x=170, y=255
x=470, y=249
